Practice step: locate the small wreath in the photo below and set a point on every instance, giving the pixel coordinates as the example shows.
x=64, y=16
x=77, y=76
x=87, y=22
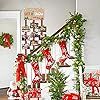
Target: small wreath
x=6, y=40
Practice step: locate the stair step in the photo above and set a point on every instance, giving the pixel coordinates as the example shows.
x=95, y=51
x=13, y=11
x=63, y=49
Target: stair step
x=66, y=65
x=93, y=97
x=43, y=81
x=71, y=57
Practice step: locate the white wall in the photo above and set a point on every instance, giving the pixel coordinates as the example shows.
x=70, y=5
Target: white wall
x=91, y=11
x=56, y=11
x=7, y=56
x=9, y=23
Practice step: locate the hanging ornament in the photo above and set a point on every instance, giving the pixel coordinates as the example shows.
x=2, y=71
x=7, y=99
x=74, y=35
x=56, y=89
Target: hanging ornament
x=49, y=58
x=65, y=54
x=20, y=71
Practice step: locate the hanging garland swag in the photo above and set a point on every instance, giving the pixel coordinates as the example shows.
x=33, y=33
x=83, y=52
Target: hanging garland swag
x=75, y=29
x=6, y=40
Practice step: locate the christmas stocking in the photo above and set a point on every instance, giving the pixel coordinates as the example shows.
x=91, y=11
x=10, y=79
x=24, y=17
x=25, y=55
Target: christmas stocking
x=37, y=78
x=49, y=58
x=64, y=51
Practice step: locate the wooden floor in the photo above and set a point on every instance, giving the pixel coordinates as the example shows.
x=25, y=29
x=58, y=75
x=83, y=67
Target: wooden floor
x=3, y=94
x=3, y=98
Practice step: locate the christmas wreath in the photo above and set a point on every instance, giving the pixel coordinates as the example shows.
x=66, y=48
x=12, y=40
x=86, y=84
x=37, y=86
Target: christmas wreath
x=6, y=40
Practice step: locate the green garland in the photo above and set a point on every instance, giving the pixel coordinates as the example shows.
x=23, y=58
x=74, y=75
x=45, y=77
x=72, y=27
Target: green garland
x=78, y=32
x=75, y=29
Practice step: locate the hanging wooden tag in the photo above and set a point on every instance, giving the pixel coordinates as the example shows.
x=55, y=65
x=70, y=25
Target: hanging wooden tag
x=34, y=13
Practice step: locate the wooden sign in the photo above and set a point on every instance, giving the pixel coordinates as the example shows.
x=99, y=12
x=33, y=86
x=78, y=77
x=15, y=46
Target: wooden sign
x=34, y=13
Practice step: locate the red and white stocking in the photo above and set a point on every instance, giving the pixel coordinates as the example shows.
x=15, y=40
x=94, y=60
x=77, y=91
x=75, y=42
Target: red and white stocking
x=49, y=58
x=35, y=67
x=65, y=55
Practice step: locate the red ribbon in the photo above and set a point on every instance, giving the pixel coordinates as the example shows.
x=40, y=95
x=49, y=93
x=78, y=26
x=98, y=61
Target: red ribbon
x=71, y=96
x=21, y=68
x=7, y=40
x=46, y=52
x=92, y=82
x=34, y=93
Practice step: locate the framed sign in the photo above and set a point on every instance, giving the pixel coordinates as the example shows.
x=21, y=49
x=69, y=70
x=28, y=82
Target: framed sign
x=34, y=13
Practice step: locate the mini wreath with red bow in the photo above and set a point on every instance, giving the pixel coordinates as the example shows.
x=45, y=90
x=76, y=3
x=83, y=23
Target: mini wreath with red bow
x=6, y=40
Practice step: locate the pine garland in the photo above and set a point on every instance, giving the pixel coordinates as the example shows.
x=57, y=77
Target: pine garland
x=75, y=29
x=78, y=32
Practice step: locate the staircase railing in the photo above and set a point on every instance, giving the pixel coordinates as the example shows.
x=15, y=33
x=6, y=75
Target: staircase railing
x=58, y=31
